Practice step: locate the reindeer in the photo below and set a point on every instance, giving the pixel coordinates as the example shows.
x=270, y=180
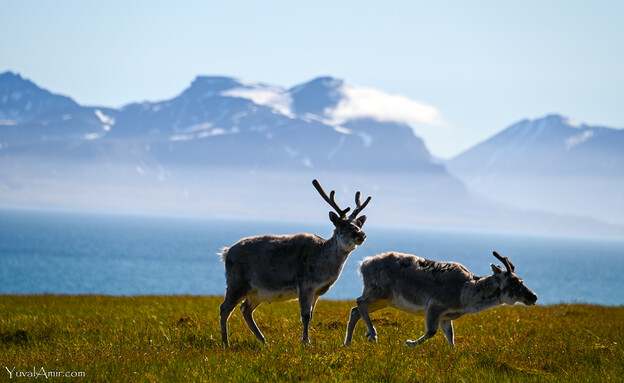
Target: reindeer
x=442, y=291
x=275, y=268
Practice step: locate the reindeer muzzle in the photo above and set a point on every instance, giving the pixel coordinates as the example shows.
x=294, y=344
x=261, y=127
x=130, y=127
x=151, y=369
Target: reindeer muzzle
x=360, y=238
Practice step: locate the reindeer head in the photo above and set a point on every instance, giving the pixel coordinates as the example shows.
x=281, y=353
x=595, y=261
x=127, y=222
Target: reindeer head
x=348, y=230
x=512, y=288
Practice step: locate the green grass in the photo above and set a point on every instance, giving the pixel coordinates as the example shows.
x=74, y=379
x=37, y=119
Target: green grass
x=177, y=339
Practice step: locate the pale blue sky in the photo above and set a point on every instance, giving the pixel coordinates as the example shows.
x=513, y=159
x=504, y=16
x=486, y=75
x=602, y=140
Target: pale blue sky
x=483, y=64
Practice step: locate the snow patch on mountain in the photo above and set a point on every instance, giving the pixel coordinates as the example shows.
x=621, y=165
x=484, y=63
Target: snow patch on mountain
x=107, y=121
x=198, y=127
x=92, y=136
x=343, y=130
x=367, y=139
x=195, y=134
x=573, y=141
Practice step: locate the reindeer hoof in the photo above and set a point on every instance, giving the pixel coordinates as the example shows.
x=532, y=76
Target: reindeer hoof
x=411, y=343
x=305, y=342
x=371, y=337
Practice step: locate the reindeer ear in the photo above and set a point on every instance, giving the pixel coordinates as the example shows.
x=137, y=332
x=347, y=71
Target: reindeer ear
x=334, y=217
x=360, y=221
x=495, y=268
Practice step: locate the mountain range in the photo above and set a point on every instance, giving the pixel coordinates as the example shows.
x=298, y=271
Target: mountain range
x=551, y=164
x=216, y=122
x=234, y=148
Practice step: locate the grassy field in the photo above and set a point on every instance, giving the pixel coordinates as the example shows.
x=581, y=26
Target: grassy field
x=177, y=339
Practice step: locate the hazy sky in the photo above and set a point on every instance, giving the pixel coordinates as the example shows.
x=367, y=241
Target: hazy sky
x=482, y=64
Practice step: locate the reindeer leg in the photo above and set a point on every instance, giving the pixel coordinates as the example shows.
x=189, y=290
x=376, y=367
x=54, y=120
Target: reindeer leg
x=354, y=317
x=233, y=296
x=366, y=306
x=316, y=297
x=247, y=309
x=447, y=329
x=432, y=321
x=306, y=299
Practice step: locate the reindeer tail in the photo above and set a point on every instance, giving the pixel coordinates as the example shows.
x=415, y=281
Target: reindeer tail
x=224, y=253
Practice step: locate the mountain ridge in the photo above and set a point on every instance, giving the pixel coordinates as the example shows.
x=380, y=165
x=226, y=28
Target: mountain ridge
x=551, y=164
x=223, y=142
x=219, y=106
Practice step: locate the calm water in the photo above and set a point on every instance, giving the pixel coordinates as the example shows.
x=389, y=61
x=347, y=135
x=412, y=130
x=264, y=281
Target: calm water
x=64, y=253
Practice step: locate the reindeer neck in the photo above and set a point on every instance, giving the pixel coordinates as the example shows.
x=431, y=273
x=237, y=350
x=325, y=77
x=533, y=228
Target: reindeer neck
x=333, y=249
x=485, y=293
x=487, y=287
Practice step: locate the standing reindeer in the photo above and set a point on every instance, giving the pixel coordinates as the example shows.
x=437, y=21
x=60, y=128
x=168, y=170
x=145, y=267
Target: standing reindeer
x=442, y=291
x=274, y=268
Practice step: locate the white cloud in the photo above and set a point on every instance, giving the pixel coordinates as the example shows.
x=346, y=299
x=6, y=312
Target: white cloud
x=361, y=102
x=572, y=123
x=275, y=98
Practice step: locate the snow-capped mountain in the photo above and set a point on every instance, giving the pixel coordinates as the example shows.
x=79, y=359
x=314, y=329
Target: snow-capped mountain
x=218, y=128
x=21, y=100
x=229, y=147
x=217, y=122
x=552, y=164
x=31, y=116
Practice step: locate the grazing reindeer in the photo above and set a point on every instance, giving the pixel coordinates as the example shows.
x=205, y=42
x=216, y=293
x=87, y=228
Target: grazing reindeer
x=442, y=291
x=274, y=268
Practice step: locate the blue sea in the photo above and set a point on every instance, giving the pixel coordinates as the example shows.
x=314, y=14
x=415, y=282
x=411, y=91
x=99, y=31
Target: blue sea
x=77, y=253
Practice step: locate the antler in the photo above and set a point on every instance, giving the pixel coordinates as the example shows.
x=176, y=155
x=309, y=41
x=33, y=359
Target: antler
x=510, y=267
x=359, y=205
x=330, y=200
